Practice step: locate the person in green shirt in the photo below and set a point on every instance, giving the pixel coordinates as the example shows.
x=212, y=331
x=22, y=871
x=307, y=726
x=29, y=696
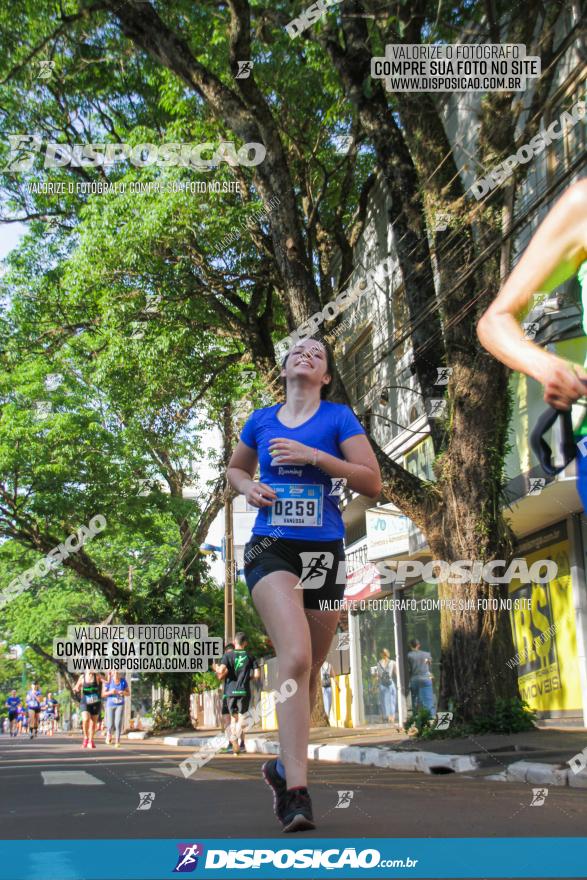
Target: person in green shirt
x=557, y=250
x=237, y=667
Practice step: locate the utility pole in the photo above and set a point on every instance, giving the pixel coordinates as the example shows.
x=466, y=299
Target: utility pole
x=128, y=700
x=229, y=615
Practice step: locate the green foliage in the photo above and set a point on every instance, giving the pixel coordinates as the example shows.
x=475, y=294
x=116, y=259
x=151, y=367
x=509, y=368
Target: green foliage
x=205, y=681
x=509, y=716
x=421, y=719
x=11, y=673
x=168, y=715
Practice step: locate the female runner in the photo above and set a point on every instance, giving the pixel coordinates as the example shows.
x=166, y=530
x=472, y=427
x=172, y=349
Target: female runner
x=115, y=689
x=557, y=250
x=297, y=577
x=90, y=684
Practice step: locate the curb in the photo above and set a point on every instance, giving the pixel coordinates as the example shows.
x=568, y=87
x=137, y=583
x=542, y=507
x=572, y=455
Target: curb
x=541, y=774
x=423, y=762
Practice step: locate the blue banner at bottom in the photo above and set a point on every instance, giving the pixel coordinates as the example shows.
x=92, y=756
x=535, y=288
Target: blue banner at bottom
x=340, y=859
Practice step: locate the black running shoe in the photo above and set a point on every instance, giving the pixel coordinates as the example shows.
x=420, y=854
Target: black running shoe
x=278, y=785
x=297, y=812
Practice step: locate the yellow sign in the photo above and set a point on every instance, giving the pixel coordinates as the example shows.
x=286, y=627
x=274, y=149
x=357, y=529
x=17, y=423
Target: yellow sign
x=544, y=633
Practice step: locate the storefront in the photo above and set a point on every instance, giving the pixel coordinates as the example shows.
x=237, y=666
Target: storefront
x=550, y=636
x=375, y=621
x=545, y=634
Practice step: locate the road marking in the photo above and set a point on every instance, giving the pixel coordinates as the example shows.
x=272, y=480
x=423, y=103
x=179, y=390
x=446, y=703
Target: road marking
x=39, y=762
x=208, y=775
x=69, y=777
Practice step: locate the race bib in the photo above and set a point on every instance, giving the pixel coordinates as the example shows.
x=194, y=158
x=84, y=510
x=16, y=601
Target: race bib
x=297, y=504
x=91, y=699
x=117, y=701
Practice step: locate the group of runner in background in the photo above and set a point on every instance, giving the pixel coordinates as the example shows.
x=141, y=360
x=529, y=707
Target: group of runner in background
x=40, y=714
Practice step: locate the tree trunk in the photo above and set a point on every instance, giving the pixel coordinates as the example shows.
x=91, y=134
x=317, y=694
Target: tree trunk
x=318, y=715
x=475, y=648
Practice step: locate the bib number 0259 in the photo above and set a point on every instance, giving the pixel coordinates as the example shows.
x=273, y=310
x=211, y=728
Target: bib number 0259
x=296, y=505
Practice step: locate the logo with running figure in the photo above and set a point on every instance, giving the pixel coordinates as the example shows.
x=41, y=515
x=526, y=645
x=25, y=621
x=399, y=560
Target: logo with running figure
x=338, y=486
x=146, y=799
x=187, y=860
x=443, y=720
x=344, y=799
x=316, y=566
x=539, y=796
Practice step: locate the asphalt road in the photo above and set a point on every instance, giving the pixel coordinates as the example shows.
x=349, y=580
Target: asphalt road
x=228, y=798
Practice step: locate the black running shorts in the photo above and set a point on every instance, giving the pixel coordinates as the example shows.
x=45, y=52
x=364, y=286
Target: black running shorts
x=320, y=568
x=93, y=709
x=238, y=704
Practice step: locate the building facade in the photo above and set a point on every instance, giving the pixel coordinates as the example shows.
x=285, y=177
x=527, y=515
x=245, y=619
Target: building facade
x=545, y=513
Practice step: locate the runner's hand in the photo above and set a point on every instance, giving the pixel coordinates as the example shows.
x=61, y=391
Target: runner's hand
x=290, y=451
x=259, y=494
x=565, y=384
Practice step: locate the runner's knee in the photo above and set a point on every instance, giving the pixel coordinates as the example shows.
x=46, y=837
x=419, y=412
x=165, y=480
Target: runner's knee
x=294, y=664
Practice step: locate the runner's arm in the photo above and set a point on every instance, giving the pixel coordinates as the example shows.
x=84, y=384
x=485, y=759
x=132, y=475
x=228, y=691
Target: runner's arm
x=240, y=473
x=554, y=254
x=359, y=466
x=221, y=671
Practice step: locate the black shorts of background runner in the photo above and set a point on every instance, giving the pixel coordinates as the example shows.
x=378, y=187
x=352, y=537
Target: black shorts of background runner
x=92, y=708
x=238, y=704
x=283, y=554
x=12, y=715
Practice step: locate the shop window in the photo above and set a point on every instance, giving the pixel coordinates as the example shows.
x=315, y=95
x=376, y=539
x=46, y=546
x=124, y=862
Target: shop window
x=546, y=168
x=564, y=151
x=424, y=625
x=359, y=373
x=400, y=317
x=377, y=632
x=414, y=414
x=419, y=460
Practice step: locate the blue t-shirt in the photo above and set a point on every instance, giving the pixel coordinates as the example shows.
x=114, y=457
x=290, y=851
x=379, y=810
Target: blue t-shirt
x=304, y=509
x=116, y=699
x=32, y=699
x=13, y=703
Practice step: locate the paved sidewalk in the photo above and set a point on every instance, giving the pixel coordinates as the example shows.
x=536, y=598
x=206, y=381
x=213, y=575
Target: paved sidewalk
x=538, y=756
